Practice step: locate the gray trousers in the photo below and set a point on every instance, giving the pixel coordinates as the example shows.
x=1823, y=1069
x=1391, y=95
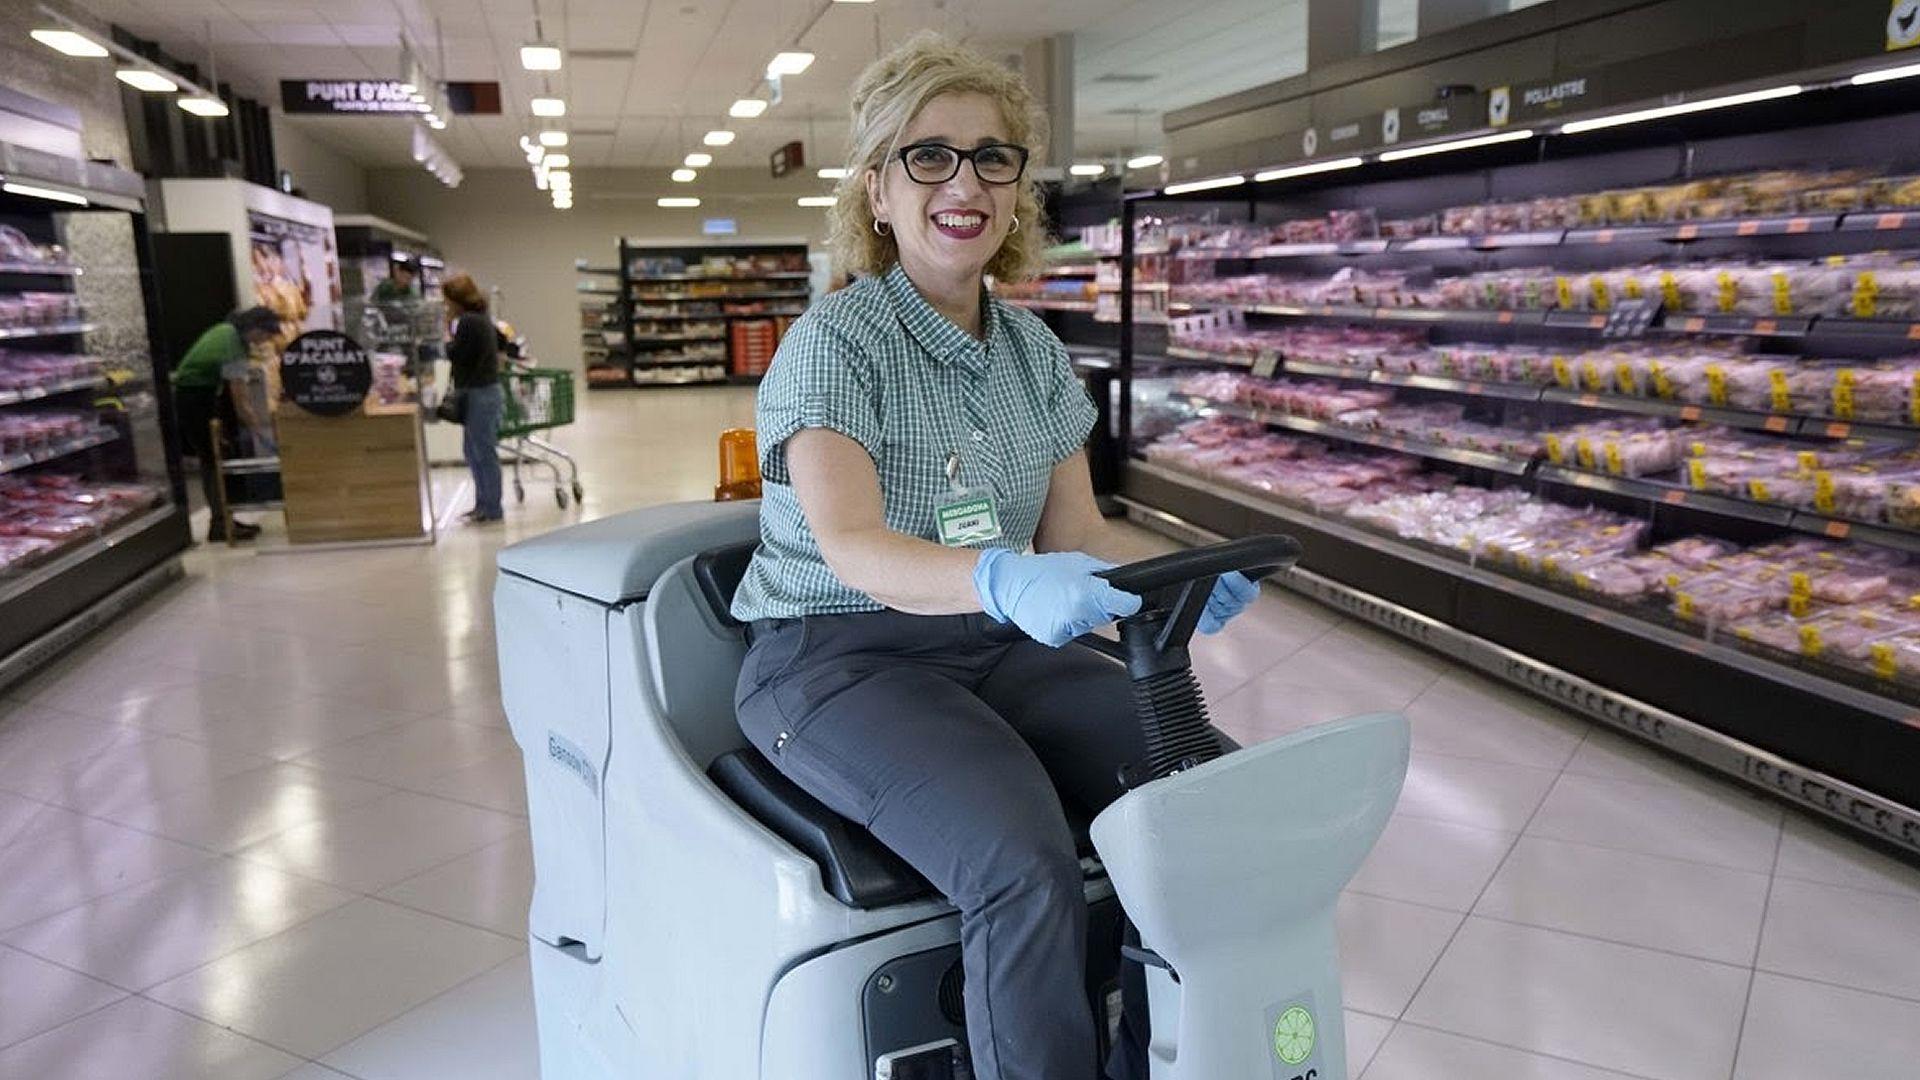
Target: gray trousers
x=954, y=739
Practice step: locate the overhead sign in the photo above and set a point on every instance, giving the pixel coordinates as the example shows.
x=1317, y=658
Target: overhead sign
x=348, y=97
x=1903, y=25
x=720, y=226
x=473, y=98
x=789, y=158
x=326, y=373
x=1546, y=99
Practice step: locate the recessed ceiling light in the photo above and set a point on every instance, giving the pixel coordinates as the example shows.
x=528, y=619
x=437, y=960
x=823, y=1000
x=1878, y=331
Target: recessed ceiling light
x=549, y=106
x=697, y=160
x=203, y=106
x=540, y=56
x=69, y=42
x=816, y=200
x=1144, y=161
x=1087, y=169
x=146, y=79
x=684, y=176
x=747, y=108
x=673, y=203
x=832, y=174
x=560, y=180
x=790, y=63
x=559, y=161
x=553, y=138
x=717, y=138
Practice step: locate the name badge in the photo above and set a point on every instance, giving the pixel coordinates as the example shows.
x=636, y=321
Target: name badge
x=967, y=517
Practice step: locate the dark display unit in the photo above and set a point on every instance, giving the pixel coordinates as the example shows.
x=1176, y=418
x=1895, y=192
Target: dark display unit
x=1781, y=684
x=92, y=505
x=694, y=315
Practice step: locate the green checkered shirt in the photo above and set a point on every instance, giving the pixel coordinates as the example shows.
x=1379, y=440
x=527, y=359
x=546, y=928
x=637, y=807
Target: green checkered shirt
x=876, y=363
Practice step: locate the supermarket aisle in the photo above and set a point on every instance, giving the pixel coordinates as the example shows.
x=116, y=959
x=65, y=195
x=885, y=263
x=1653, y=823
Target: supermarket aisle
x=274, y=826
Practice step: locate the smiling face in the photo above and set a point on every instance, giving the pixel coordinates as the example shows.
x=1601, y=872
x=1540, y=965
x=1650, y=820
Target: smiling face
x=950, y=230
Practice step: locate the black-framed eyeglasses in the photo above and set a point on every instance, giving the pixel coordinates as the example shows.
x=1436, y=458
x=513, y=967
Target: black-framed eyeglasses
x=937, y=163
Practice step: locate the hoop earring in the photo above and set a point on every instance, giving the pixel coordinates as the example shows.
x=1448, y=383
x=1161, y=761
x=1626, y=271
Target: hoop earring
x=881, y=228
x=1016, y=224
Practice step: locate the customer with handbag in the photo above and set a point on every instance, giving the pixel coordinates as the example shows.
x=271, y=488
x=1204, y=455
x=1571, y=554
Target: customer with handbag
x=476, y=399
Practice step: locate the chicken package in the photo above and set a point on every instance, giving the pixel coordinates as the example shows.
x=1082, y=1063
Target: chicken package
x=1883, y=392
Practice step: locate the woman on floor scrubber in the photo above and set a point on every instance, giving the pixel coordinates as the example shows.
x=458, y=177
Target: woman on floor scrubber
x=917, y=436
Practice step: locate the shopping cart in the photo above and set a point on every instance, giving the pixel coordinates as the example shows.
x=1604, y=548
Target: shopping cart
x=538, y=399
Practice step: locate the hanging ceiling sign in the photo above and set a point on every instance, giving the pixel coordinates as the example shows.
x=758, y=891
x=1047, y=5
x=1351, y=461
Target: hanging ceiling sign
x=348, y=97
x=1548, y=99
x=788, y=158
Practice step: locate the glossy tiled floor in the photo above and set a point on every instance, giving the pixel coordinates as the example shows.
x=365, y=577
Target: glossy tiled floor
x=272, y=825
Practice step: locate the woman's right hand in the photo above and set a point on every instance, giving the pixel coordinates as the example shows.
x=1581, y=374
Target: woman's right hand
x=1053, y=597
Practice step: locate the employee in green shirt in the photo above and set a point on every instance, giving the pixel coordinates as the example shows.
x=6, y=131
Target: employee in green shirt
x=397, y=286
x=209, y=372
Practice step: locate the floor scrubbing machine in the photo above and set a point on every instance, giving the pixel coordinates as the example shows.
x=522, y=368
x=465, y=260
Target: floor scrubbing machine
x=696, y=916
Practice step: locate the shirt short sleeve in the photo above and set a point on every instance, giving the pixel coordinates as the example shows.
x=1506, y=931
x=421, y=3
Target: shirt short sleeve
x=818, y=379
x=1070, y=413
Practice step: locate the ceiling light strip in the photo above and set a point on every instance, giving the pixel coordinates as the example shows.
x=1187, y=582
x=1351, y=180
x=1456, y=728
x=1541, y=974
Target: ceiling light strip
x=1575, y=127
x=1309, y=169
x=1204, y=185
x=1867, y=78
x=37, y=192
x=1457, y=144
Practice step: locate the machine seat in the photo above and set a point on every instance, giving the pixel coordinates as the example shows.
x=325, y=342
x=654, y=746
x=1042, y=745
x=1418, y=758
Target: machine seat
x=855, y=867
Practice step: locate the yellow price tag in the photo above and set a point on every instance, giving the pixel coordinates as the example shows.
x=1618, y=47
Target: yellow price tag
x=1623, y=377
x=1563, y=292
x=1782, y=395
x=1883, y=662
x=1584, y=449
x=1823, y=491
x=1662, y=382
x=1843, y=394
x=1697, y=474
x=1683, y=605
x=1555, y=452
x=1757, y=490
x=1799, y=604
x=1590, y=376
x=1563, y=373
x=1782, y=294
x=1801, y=583
x=1729, y=292
x=1615, y=464
x=1809, y=461
x=1633, y=288
x=1670, y=291
x=1699, y=449
x=1866, y=296
x=1810, y=641
x=1597, y=287
x=1716, y=384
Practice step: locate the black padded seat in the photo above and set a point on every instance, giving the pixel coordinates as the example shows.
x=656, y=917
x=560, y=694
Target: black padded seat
x=855, y=867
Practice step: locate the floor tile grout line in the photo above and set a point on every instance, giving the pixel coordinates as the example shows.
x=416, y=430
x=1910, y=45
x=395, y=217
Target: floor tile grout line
x=1524, y=1050
x=1909, y=999
x=1600, y=939
x=1759, y=939
x=5, y=1046
x=408, y=1011
x=1441, y=956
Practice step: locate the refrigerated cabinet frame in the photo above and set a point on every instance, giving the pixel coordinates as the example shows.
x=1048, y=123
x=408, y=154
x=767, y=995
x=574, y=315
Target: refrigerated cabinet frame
x=1827, y=744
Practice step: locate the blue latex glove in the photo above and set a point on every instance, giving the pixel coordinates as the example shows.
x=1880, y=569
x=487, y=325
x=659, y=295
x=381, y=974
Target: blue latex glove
x=1053, y=597
x=1231, y=594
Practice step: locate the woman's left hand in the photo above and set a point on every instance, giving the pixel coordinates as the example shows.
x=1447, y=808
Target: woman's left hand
x=1232, y=592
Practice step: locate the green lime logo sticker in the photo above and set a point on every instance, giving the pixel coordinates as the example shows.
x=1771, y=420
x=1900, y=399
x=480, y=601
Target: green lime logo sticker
x=1293, y=1035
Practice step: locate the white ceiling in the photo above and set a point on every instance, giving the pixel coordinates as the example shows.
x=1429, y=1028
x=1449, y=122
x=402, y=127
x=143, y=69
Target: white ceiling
x=645, y=78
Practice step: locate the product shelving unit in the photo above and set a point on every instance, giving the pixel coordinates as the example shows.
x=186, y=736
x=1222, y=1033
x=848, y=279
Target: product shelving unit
x=603, y=340
x=1835, y=738
x=93, y=520
x=698, y=315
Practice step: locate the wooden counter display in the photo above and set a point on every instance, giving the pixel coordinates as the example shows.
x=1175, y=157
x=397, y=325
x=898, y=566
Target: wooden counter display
x=355, y=478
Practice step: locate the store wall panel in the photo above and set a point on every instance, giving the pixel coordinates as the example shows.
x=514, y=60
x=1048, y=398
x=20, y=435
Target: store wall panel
x=497, y=227
x=325, y=174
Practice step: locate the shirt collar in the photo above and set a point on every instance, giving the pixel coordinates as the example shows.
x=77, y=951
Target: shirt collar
x=936, y=333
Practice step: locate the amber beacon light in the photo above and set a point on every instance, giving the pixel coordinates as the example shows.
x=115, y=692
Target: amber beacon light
x=739, y=466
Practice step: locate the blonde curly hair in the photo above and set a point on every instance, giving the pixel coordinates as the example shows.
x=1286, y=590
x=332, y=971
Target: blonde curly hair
x=886, y=98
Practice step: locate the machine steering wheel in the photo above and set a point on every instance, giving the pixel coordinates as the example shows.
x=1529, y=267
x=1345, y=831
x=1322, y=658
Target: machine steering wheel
x=1173, y=590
